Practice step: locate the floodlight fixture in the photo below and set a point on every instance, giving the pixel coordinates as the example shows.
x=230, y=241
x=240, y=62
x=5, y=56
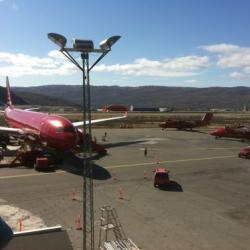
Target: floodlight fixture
x=58, y=39
x=108, y=43
x=83, y=45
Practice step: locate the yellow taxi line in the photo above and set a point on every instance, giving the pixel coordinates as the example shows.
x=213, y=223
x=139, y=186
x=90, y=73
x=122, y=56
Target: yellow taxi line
x=171, y=161
x=228, y=148
x=29, y=175
x=121, y=166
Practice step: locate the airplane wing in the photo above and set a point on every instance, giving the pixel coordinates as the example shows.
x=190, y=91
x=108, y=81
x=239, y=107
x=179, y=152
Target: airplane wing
x=14, y=131
x=30, y=109
x=78, y=124
x=19, y=131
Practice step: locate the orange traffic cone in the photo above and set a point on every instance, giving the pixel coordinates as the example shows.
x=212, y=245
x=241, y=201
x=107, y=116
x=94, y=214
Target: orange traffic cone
x=78, y=223
x=20, y=225
x=120, y=195
x=73, y=196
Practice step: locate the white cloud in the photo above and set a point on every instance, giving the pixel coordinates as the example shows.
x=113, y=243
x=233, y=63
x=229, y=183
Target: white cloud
x=237, y=75
x=232, y=56
x=56, y=54
x=56, y=64
x=191, y=81
x=220, y=48
x=175, y=67
x=21, y=65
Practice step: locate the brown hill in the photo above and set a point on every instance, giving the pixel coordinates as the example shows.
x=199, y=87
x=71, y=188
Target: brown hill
x=16, y=99
x=180, y=98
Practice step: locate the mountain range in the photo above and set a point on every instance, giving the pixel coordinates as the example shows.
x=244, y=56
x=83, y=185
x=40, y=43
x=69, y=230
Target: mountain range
x=179, y=98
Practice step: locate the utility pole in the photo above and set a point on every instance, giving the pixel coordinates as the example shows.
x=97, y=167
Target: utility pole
x=88, y=201
x=85, y=47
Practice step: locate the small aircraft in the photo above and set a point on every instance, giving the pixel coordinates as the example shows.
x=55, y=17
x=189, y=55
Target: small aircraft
x=51, y=131
x=182, y=124
x=232, y=132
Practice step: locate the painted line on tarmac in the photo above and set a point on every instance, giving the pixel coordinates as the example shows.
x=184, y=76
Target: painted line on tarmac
x=171, y=161
x=219, y=148
x=29, y=175
x=120, y=166
x=225, y=148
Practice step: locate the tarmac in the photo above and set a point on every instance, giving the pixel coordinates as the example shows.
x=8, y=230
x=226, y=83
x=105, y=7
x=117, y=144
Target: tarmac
x=206, y=207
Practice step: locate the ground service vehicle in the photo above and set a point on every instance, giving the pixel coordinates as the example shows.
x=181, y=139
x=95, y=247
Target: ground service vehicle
x=161, y=177
x=245, y=152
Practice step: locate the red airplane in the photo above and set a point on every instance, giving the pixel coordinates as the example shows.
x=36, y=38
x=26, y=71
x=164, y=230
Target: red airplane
x=232, y=132
x=182, y=124
x=52, y=131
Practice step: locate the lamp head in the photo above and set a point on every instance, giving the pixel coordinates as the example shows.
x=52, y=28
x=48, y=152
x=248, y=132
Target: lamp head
x=83, y=45
x=57, y=39
x=108, y=43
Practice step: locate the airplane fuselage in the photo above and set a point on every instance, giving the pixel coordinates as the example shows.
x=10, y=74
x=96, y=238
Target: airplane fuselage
x=242, y=132
x=177, y=124
x=183, y=124
x=52, y=131
x=55, y=131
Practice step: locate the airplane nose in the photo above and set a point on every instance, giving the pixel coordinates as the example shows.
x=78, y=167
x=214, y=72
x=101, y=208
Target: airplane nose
x=218, y=132
x=162, y=124
x=213, y=133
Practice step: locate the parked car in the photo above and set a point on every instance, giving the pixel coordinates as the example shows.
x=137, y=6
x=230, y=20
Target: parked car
x=245, y=152
x=161, y=177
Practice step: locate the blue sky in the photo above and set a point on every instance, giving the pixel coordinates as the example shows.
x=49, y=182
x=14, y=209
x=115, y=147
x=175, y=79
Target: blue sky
x=164, y=42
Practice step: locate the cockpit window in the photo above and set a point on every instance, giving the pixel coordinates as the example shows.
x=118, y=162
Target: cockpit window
x=59, y=129
x=69, y=129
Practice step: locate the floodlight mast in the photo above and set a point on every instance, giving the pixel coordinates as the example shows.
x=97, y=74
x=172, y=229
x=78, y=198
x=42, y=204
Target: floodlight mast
x=85, y=47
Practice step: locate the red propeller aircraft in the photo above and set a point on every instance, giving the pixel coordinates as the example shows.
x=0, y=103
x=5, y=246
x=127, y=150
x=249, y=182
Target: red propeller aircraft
x=182, y=124
x=52, y=131
x=232, y=132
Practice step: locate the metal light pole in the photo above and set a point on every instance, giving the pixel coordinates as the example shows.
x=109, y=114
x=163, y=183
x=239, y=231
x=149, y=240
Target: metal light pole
x=85, y=47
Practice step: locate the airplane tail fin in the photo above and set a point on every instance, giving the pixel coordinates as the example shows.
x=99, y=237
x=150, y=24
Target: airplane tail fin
x=207, y=118
x=9, y=102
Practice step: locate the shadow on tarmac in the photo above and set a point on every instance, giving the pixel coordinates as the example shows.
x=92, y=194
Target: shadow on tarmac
x=187, y=130
x=195, y=131
x=120, y=144
x=74, y=165
x=172, y=186
x=233, y=139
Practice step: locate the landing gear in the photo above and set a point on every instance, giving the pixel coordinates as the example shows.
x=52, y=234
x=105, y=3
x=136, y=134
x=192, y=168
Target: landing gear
x=32, y=153
x=4, y=141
